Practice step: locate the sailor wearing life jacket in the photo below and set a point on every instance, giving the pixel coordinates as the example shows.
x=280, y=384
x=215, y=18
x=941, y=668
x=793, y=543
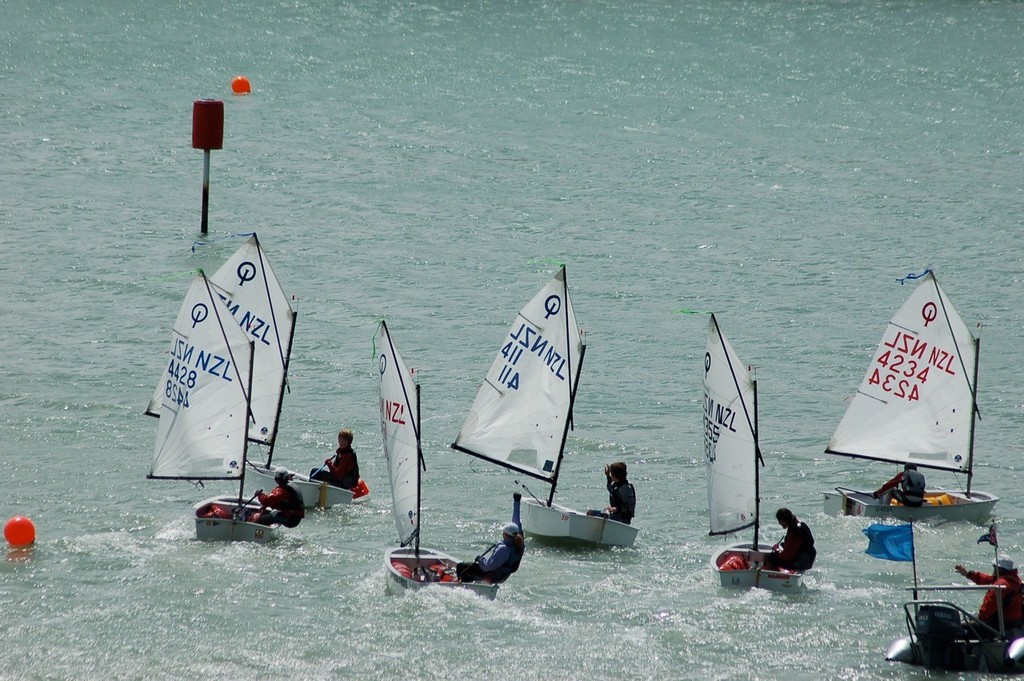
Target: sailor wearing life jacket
x=1004, y=574
x=796, y=551
x=621, y=495
x=906, y=487
x=497, y=563
x=283, y=504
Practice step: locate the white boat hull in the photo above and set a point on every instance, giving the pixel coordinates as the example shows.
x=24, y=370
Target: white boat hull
x=559, y=522
x=315, y=493
x=939, y=505
x=753, y=577
x=430, y=568
x=229, y=529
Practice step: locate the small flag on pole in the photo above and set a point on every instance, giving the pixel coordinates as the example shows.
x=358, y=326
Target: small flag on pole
x=890, y=542
x=990, y=537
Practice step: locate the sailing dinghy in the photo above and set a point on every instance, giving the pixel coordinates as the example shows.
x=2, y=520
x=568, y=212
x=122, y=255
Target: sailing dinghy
x=916, y=405
x=257, y=300
x=522, y=413
x=204, y=413
x=733, y=463
x=409, y=566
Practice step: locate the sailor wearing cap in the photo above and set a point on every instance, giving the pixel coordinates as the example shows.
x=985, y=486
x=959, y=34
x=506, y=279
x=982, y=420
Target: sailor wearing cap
x=1003, y=574
x=497, y=563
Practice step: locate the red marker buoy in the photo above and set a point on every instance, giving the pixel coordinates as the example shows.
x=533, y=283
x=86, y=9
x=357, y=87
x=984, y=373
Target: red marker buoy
x=240, y=85
x=19, y=531
x=207, y=134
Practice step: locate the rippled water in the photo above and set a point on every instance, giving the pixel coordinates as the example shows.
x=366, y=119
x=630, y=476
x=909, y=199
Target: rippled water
x=781, y=164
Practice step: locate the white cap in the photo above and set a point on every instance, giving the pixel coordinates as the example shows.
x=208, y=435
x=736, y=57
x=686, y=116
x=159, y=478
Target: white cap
x=511, y=529
x=1003, y=563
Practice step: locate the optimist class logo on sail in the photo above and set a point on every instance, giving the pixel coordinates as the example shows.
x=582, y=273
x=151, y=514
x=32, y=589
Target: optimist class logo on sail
x=528, y=340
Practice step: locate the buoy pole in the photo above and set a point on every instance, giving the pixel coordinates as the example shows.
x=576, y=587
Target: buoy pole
x=206, y=189
x=207, y=134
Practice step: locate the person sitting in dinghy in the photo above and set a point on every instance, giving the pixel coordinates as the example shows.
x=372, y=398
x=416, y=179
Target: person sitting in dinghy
x=283, y=505
x=342, y=469
x=906, y=487
x=497, y=563
x=796, y=550
x=621, y=495
x=1004, y=574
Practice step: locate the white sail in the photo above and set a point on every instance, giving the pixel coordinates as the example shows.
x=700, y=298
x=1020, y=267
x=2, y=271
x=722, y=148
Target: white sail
x=519, y=416
x=203, y=407
x=400, y=429
x=916, y=400
x=253, y=294
x=730, y=444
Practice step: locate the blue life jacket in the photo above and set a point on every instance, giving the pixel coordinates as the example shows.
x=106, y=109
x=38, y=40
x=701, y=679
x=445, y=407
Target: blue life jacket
x=503, y=572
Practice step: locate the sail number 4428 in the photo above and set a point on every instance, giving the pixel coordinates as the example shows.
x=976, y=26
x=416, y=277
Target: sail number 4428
x=181, y=380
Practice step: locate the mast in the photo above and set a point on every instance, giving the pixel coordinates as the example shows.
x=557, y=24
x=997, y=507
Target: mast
x=573, y=383
x=284, y=384
x=757, y=472
x=974, y=414
x=568, y=425
x=286, y=358
x=248, y=417
x=419, y=479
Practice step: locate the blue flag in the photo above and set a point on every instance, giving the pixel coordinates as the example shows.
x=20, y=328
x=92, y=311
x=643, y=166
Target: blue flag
x=890, y=542
x=990, y=536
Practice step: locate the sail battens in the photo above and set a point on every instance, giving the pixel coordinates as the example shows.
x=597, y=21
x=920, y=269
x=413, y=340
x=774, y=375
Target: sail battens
x=399, y=414
x=204, y=403
x=252, y=293
x=916, y=400
x=730, y=437
x=524, y=401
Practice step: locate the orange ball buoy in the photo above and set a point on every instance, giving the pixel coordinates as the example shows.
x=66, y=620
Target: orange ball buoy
x=240, y=85
x=20, y=531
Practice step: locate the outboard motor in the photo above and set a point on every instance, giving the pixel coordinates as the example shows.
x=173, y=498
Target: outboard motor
x=1015, y=656
x=940, y=633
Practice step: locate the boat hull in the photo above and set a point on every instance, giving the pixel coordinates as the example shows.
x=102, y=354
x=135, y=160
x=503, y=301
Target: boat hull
x=315, y=493
x=228, y=529
x=939, y=505
x=559, y=522
x=994, y=656
x=430, y=568
x=752, y=577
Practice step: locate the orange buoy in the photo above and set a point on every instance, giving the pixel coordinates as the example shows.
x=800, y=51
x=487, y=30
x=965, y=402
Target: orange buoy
x=240, y=85
x=20, y=531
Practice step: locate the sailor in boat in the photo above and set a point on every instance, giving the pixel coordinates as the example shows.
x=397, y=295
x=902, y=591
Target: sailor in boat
x=283, y=505
x=906, y=487
x=621, y=495
x=796, y=551
x=342, y=469
x=1003, y=574
x=497, y=563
